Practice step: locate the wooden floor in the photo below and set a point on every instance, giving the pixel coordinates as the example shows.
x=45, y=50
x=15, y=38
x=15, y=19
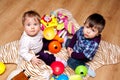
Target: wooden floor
x=11, y=28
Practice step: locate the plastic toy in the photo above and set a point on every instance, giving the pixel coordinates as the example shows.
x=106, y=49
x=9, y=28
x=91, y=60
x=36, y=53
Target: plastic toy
x=62, y=77
x=75, y=77
x=59, y=39
x=54, y=77
x=57, y=67
x=49, y=21
x=68, y=26
x=2, y=68
x=49, y=33
x=54, y=47
x=81, y=70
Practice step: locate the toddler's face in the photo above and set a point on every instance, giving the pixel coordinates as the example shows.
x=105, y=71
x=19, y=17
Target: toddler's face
x=32, y=26
x=90, y=32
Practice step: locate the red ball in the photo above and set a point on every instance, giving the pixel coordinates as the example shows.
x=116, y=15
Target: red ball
x=54, y=47
x=57, y=67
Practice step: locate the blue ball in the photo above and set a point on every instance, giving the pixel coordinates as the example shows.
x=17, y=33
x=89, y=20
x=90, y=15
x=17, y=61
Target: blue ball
x=63, y=77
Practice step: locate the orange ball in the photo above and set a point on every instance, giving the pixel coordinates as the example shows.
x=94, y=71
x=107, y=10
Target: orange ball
x=54, y=46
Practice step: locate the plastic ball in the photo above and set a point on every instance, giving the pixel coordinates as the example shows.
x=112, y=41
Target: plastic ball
x=82, y=70
x=57, y=67
x=63, y=77
x=52, y=78
x=75, y=77
x=54, y=46
x=2, y=68
x=49, y=33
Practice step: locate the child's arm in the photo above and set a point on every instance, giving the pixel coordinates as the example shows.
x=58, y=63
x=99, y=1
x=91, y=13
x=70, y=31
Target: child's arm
x=24, y=50
x=73, y=41
x=35, y=60
x=89, y=51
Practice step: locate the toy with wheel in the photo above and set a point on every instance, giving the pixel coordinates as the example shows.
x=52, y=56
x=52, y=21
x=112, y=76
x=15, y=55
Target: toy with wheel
x=54, y=47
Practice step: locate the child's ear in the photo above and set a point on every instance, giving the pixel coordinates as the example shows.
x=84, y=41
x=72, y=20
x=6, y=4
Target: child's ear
x=98, y=34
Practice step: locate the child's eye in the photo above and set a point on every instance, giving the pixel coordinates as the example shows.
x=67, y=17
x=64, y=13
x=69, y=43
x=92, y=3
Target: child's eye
x=93, y=30
x=28, y=24
x=87, y=27
x=35, y=24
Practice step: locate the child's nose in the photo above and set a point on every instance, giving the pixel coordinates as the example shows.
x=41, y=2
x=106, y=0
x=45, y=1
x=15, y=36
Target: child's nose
x=32, y=27
x=88, y=31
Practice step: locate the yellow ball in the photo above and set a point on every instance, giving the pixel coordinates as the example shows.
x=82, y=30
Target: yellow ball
x=2, y=68
x=49, y=33
x=75, y=77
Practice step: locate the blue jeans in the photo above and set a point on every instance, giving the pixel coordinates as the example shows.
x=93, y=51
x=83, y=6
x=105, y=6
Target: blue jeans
x=73, y=63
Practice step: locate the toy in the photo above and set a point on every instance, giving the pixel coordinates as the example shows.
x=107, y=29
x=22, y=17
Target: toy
x=82, y=70
x=21, y=76
x=54, y=47
x=68, y=25
x=48, y=21
x=54, y=77
x=49, y=33
x=65, y=27
x=57, y=67
x=75, y=77
x=62, y=77
x=2, y=68
x=59, y=39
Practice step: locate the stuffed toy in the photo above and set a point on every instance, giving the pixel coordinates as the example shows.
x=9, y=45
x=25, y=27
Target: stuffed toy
x=106, y=54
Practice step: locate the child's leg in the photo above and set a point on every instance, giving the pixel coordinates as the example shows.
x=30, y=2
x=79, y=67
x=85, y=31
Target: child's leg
x=46, y=57
x=45, y=44
x=91, y=72
x=73, y=63
x=13, y=74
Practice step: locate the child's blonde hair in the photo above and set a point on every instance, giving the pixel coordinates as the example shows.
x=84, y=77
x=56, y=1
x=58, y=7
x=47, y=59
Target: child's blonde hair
x=30, y=13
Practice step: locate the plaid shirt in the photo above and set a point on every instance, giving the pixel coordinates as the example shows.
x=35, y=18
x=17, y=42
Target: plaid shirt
x=88, y=47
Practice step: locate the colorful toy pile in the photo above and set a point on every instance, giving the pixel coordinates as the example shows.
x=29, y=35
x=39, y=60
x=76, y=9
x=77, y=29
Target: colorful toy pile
x=57, y=27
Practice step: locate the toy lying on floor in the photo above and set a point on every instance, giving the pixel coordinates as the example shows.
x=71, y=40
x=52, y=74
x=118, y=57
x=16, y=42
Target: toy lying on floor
x=106, y=54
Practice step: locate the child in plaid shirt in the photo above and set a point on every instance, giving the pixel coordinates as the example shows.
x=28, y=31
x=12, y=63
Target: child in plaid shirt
x=84, y=44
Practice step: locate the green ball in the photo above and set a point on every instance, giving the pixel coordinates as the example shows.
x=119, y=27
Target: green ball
x=82, y=70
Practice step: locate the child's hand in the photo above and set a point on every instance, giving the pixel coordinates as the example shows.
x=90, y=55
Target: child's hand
x=69, y=50
x=35, y=60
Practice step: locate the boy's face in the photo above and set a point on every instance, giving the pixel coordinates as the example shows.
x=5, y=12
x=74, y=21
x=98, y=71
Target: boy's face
x=32, y=26
x=90, y=32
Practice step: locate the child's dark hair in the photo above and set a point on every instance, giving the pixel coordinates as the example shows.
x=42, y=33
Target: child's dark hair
x=96, y=20
x=30, y=13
